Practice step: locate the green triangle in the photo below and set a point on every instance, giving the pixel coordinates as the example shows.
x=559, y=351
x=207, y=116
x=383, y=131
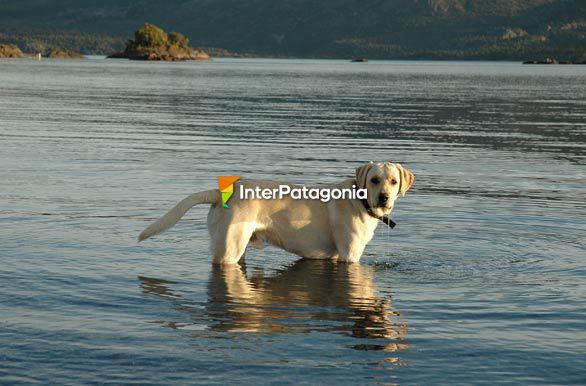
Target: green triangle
x=225, y=197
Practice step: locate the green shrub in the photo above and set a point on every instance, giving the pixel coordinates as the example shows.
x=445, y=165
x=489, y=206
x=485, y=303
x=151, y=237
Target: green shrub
x=150, y=35
x=177, y=39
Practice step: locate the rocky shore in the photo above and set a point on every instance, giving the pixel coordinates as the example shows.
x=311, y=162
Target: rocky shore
x=552, y=61
x=62, y=55
x=162, y=53
x=10, y=51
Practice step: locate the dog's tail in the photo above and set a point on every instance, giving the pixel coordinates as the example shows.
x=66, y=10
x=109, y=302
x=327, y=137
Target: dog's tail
x=178, y=211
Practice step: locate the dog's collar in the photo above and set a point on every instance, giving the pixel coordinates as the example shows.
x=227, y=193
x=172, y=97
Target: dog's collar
x=384, y=219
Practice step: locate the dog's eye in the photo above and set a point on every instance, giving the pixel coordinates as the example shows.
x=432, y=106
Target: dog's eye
x=375, y=180
x=393, y=181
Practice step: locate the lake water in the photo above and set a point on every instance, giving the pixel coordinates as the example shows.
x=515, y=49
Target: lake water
x=482, y=282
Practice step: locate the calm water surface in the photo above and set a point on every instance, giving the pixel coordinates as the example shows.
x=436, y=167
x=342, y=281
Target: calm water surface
x=482, y=282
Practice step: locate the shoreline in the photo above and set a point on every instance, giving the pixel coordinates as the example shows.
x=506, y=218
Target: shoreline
x=31, y=56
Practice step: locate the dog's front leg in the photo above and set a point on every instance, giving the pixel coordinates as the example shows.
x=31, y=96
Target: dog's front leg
x=351, y=240
x=350, y=251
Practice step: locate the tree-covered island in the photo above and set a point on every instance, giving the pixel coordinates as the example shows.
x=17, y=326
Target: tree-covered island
x=153, y=43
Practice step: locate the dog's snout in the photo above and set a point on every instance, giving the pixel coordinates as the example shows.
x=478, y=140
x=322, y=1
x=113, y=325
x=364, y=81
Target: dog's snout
x=383, y=198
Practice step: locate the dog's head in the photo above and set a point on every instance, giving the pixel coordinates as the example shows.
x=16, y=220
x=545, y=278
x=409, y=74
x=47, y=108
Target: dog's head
x=384, y=182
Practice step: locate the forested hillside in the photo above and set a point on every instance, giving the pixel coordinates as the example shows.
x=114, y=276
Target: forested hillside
x=483, y=29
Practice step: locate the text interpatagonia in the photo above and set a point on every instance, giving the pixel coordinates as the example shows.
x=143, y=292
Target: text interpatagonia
x=302, y=193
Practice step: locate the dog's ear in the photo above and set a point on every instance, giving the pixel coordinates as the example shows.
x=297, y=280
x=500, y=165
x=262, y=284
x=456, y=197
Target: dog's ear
x=407, y=179
x=361, y=174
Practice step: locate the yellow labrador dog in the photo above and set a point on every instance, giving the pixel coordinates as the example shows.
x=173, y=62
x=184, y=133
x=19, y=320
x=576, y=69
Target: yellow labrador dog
x=337, y=229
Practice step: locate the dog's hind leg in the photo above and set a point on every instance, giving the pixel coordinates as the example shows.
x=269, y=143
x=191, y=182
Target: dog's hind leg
x=229, y=244
x=229, y=236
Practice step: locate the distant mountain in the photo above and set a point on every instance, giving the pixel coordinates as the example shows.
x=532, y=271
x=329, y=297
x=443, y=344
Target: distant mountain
x=483, y=29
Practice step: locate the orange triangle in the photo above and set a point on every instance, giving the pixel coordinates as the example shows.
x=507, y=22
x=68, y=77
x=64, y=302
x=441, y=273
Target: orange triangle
x=225, y=181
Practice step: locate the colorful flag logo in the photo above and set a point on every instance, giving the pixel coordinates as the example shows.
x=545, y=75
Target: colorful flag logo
x=226, y=185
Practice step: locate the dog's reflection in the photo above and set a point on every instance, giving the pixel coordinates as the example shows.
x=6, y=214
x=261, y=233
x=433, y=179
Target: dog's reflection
x=310, y=295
